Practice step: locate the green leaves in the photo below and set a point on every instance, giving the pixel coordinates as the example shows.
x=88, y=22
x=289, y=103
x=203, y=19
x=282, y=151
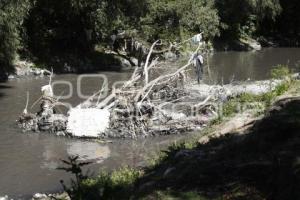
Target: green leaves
x=12, y=14
x=244, y=16
x=280, y=72
x=171, y=19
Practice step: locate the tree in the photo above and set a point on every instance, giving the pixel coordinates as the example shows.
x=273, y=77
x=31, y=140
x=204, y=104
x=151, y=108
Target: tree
x=12, y=13
x=242, y=17
x=57, y=27
x=170, y=19
x=287, y=24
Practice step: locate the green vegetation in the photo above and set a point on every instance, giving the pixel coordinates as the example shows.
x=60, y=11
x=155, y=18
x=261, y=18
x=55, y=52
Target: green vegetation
x=286, y=33
x=117, y=185
x=280, y=72
x=232, y=166
x=177, y=19
x=259, y=103
x=261, y=164
x=75, y=191
x=64, y=33
x=12, y=13
x=242, y=18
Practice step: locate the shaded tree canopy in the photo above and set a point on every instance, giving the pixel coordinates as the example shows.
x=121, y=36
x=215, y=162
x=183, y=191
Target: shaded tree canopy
x=12, y=13
x=44, y=29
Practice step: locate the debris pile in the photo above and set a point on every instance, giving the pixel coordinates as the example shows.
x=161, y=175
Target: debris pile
x=144, y=105
x=47, y=119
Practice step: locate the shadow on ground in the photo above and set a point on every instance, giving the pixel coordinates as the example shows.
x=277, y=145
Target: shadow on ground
x=261, y=164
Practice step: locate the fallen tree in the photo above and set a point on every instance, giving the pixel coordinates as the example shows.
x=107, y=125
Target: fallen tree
x=142, y=106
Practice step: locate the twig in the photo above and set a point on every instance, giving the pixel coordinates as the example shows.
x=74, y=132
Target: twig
x=51, y=74
x=203, y=102
x=36, y=102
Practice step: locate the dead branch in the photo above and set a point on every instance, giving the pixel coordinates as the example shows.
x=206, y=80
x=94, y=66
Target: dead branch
x=168, y=76
x=27, y=101
x=147, y=62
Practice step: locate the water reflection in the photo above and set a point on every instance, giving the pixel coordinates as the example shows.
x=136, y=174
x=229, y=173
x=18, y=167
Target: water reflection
x=250, y=65
x=87, y=151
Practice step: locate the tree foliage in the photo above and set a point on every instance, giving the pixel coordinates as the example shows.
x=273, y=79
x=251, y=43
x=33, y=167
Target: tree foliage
x=240, y=17
x=174, y=19
x=288, y=22
x=12, y=13
x=45, y=29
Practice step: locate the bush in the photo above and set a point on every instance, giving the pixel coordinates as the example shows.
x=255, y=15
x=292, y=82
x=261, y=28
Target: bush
x=116, y=185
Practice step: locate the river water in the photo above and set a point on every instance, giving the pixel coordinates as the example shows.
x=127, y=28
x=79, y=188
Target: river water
x=28, y=161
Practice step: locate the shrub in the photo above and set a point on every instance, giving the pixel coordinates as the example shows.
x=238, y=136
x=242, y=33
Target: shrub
x=115, y=185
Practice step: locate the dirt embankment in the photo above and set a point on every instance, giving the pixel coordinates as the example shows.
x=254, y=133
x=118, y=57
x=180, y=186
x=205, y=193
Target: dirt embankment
x=244, y=158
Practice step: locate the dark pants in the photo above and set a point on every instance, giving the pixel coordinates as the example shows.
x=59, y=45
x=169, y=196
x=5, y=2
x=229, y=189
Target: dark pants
x=199, y=70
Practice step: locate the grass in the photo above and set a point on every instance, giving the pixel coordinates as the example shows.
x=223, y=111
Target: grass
x=117, y=185
x=259, y=103
x=280, y=72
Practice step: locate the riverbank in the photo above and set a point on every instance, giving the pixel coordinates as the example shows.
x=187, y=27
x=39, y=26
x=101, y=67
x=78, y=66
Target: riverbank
x=102, y=59
x=256, y=159
x=24, y=69
x=247, y=156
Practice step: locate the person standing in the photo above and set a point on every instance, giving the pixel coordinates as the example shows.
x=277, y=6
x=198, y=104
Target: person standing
x=198, y=63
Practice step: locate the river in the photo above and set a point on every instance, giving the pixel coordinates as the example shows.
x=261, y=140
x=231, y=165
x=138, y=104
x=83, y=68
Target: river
x=28, y=161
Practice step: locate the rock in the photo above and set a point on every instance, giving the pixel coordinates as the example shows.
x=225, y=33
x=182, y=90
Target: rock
x=256, y=87
x=25, y=68
x=60, y=133
x=125, y=63
x=11, y=77
x=223, y=92
x=39, y=196
x=4, y=198
x=135, y=61
x=182, y=153
x=250, y=44
x=296, y=76
x=37, y=72
x=168, y=171
x=173, y=115
x=255, y=45
x=147, y=185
